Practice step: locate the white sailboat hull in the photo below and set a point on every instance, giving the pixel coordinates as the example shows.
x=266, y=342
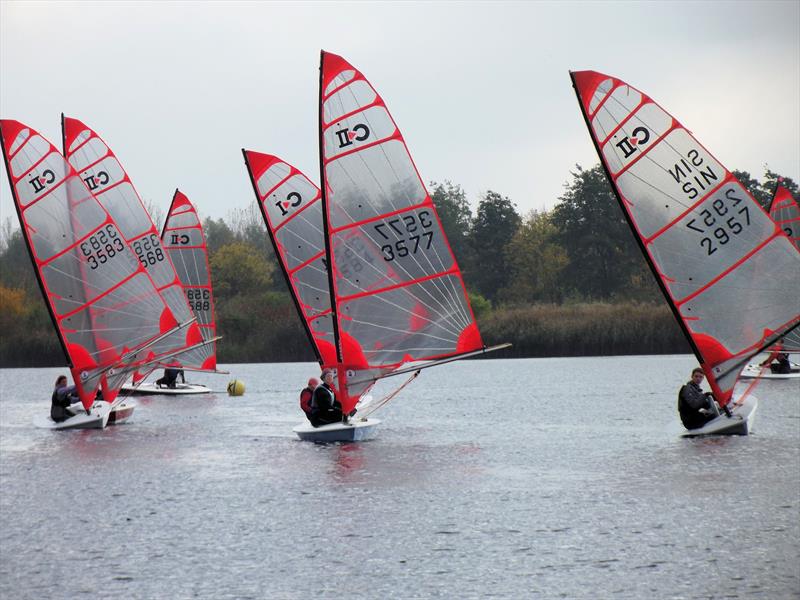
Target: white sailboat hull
x=753, y=371
x=355, y=431
x=96, y=419
x=151, y=389
x=740, y=423
x=121, y=412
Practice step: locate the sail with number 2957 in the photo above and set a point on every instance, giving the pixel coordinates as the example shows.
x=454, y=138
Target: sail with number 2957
x=727, y=270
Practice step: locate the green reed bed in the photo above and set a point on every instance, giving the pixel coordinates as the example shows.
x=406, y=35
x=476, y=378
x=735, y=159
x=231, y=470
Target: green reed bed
x=593, y=329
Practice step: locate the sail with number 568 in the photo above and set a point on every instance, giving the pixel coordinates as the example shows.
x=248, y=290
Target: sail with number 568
x=104, y=175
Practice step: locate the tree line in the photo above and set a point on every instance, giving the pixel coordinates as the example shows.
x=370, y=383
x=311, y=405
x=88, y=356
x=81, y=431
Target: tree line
x=562, y=282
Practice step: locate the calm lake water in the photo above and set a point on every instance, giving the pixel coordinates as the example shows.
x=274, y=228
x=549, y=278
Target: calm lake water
x=539, y=478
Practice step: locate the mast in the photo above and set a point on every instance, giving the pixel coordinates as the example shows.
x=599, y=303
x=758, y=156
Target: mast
x=323, y=186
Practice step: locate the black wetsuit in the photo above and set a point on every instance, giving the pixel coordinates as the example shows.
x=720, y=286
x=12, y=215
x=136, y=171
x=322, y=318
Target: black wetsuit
x=691, y=399
x=783, y=366
x=170, y=378
x=325, y=408
x=59, y=403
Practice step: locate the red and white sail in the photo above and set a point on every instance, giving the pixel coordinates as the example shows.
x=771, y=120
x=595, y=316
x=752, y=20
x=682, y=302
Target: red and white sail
x=183, y=239
x=397, y=290
x=785, y=212
x=729, y=273
x=292, y=209
x=105, y=177
x=103, y=302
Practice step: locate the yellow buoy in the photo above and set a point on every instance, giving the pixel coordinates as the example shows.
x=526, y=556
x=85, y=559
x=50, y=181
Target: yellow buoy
x=235, y=388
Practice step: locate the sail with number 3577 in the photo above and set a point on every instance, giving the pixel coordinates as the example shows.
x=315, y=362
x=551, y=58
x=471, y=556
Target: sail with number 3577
x=371, y=270
x=728, y=272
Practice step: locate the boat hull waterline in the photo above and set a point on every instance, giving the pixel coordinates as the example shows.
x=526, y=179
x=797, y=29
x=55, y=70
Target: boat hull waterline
x=355, y=431
x=753, y=371
x=96, y=419
x=152, y=389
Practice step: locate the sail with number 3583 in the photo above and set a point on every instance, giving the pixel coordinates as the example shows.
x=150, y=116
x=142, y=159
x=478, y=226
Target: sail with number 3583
x=104, y=304
x=727, y=270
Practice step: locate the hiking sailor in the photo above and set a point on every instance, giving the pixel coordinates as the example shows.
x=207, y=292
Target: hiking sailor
x=695, y=406
x=63, y=397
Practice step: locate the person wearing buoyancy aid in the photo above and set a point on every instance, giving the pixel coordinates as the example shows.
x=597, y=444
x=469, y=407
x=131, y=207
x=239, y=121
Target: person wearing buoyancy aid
x=325, y=408
x=63, y=397
x=306, y=395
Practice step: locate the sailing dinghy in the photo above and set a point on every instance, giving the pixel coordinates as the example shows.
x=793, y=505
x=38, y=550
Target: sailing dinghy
x=783, y=209
x=105, y=308
x=183, y=239
x=726, y=269
x=393, y=293
x=104, y=175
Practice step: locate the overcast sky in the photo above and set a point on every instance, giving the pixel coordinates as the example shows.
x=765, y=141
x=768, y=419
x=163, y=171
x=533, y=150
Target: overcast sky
x=481, y=91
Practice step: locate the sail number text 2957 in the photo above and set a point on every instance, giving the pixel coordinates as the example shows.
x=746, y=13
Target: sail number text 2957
x=409, y=234
x=101, y=246
x=719, y=220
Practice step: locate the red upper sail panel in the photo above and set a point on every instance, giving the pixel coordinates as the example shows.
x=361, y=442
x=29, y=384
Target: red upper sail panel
x=102, y=301
x=723, y=265
x=398, y=292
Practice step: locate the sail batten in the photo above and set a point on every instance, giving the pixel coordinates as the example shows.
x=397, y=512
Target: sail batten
x=721, y=262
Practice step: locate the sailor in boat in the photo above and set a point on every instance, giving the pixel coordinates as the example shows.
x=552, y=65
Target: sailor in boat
x=306, y=395
x=63, y=397
x=782, y=366
x=778, y=362
x=170, y=377
x=695, y=406
x=325, y=408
